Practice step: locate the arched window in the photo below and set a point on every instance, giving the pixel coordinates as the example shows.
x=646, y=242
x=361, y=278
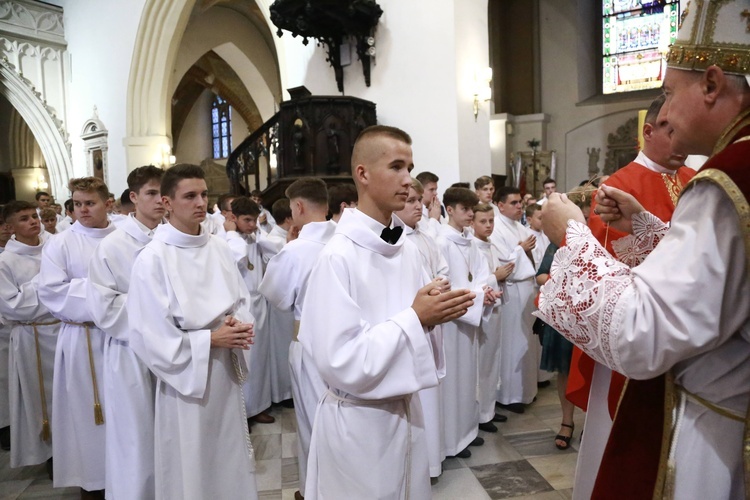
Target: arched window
x=635, y=35
x=221, y=127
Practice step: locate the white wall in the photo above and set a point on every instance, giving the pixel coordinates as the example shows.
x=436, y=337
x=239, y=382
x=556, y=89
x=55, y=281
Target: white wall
x=419, y=81
x=573, y=127
x=100, y=35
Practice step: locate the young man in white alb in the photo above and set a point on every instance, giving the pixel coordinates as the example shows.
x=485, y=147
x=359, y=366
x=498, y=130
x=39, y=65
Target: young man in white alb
x=127, y=382
x=373, y=350
x=189, y=311
x=284, y=285
x=78, y=434
x=33, y=338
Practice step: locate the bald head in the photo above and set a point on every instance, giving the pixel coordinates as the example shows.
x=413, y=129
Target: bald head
x=370, y=145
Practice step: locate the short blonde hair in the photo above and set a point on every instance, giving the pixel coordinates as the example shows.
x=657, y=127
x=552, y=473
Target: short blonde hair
x=89, y=185
x=582, y=195
x=417, y=186
x=48, y=213
x=483, y=207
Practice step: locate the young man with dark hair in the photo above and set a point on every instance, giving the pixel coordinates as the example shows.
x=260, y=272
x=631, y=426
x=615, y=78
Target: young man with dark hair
x=550, y=186
x=78, y=398
x=33, y=339
x=191, y=325
x=43, y=200
x=374, y=352
x=433, y=211
x=284, y=286
x=274, y=241
x=242, y=237
x=341, y=197
x=466, y=269
x=519, y=351
x=434, y=265
x=127, y=384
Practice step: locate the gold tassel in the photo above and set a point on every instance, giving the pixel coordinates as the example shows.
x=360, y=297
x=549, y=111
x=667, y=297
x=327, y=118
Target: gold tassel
x=98, y=414
x=46, y=433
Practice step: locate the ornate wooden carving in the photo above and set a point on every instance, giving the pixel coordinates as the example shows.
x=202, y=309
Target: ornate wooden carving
x=622, y=146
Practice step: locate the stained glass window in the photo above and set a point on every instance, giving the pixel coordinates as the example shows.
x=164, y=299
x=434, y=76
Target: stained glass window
x=635, y=35
x=221, y=127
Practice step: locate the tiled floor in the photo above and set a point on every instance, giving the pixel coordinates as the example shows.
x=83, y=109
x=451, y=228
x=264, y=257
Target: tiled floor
x=519, y=462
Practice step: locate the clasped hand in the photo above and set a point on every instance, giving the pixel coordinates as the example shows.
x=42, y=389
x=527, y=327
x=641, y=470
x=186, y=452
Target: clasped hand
x=436, y=303
x=233, y=334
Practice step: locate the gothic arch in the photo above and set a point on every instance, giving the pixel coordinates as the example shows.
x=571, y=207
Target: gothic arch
x=43, y=123
x=160, y=31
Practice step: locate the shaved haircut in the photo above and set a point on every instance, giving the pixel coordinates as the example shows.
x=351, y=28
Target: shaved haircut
x=365, y=147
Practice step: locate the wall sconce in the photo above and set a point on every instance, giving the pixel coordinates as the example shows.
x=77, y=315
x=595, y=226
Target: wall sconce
x=482, y=89
x=40, y=184
x=164, y=158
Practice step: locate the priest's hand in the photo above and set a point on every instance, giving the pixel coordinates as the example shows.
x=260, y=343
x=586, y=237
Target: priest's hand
x=233, y=335
x=617, y=208
x=434, y=309
x=555, y=216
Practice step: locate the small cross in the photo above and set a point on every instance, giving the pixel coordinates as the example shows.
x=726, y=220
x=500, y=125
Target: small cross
x=746, y=14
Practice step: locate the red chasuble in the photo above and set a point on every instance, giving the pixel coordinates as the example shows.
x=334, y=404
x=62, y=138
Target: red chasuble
x=658, y=194
x=636, y=446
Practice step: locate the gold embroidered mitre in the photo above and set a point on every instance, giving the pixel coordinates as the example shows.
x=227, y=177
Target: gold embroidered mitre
x=713, y=32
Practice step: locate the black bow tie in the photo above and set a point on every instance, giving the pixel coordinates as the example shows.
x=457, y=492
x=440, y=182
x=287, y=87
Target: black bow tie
x=391, y=235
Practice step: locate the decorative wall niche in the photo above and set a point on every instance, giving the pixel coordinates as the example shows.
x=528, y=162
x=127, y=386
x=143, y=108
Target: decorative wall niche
x=94, y=135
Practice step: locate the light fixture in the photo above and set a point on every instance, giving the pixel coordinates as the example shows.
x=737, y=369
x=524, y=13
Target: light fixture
x=40, y=184
x=164, y=158
x=482, y=89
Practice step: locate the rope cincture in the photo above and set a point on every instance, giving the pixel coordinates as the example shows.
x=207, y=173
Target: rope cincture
x=98, y=413
x=46, y=433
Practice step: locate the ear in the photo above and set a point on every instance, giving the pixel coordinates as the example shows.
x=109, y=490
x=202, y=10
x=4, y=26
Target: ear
x=108, y=204
x=133, y=196
x=648, y=130
x=361, y=174
x=449, y=209
x=713, y=84
x=343, y=206
x=167, y=202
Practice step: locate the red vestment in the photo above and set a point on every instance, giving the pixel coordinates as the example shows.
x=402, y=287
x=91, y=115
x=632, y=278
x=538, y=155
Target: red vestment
x=658, y=194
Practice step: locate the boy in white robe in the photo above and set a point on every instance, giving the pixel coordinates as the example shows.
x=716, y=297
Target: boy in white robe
x=467, y=269
x=433, y=263
x=284, y=285
x=5, y=233
x=127, y=382
x=534, y=219
x=193, y=324
x=373, y=350
x=489, y=334
x=432, y=211
x=281, y=323
x=32, y=340
x=242, y=236
x=78, y=435
x=519, y=350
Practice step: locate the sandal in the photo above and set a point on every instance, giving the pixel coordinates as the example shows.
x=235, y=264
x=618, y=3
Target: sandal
x=565, y=439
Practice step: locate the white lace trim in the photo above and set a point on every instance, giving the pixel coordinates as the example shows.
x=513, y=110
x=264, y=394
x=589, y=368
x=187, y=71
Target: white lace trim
x=587, y=295
x=648, y=231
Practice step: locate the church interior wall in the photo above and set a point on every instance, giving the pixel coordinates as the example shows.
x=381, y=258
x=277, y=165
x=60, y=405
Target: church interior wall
x=100, y=43
x=563, y=28
x=240, y=44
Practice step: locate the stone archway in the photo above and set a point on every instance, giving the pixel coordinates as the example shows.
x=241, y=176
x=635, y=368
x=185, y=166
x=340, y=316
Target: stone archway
x=47, y=128
x=160, y=31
